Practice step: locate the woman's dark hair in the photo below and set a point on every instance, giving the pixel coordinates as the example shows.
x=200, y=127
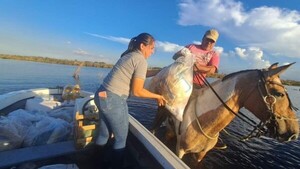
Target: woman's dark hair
x=135, y=42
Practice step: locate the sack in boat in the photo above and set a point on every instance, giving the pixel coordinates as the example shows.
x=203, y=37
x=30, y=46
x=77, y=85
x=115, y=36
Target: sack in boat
x=9, y=135
x=13, y=129
x=47, y=130
x=175, y=82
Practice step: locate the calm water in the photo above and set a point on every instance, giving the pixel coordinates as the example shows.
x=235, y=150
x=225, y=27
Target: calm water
x=262, y=153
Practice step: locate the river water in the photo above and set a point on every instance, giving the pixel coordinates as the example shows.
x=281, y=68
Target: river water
x=258, y=153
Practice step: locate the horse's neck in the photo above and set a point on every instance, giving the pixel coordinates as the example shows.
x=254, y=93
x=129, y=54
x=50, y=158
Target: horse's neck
x=206, y=103
x=208, y=100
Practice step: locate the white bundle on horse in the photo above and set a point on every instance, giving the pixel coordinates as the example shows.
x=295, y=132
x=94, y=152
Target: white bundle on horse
x=175, y=82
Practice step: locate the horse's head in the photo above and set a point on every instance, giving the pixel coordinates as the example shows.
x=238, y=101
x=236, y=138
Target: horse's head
x=275, y=108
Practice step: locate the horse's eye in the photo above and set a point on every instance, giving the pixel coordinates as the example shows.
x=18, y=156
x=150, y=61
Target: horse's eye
x=277, y=94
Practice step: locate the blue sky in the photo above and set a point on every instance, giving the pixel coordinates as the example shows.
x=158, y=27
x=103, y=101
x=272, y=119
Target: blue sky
x=253, y=33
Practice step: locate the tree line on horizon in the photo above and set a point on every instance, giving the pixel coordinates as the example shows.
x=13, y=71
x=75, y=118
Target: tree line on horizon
x=56, y=61
x=101, y=65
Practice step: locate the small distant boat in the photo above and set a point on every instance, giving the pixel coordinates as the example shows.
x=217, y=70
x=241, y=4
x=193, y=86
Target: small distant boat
x=144, y=149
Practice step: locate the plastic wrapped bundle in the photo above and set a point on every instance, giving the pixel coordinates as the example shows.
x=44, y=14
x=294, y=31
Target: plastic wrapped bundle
x=175, y=82
x=47, y=130
x=13, y=129
x=9, y=136
x=23, y=129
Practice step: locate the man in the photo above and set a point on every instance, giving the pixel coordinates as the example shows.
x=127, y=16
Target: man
x=207, y=60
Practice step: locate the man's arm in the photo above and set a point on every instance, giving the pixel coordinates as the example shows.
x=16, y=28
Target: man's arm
x=204, y=69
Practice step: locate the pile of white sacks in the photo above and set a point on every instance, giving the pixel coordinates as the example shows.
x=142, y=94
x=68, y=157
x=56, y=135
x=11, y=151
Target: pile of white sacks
x=43, y=121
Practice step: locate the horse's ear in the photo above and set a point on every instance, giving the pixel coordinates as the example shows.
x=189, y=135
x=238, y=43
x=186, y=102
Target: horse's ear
x=274, y=65
x=274, y=70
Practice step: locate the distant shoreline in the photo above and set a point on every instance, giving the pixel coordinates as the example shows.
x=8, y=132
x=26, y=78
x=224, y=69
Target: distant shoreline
x=56, y=61
x=99, y=65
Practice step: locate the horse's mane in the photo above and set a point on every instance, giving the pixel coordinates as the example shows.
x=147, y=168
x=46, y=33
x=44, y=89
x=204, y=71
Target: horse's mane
x=236, y=73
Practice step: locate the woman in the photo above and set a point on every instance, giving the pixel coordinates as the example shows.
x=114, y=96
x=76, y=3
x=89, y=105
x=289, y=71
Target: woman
x=127, y=76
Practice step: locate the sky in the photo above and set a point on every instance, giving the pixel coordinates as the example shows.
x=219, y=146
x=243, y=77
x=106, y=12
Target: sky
x=253, y=33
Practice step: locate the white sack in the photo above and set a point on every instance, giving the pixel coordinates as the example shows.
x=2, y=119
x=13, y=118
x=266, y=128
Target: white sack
x=39, y=104
x=13, y=129
x=46, y=131
x=175, y=83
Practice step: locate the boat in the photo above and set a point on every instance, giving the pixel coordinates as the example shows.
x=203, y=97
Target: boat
x=144, y=150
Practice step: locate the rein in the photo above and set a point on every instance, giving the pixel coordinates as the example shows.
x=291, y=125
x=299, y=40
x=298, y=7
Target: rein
x=242, y=116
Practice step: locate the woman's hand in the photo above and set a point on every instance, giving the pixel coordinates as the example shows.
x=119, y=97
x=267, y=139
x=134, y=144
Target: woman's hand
x=139, y=91
x=161, y=101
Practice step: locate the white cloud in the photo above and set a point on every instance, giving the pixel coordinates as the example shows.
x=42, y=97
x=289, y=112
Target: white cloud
x=197, y=42
x=111, y=38
x=254, y=56
x=210, y=12
x=219, y=49
x=240, y=52
x=87, y=56
x=272, y=29
x=168, y=47
x=161, y=46
x=286, y=63
x=81, y=52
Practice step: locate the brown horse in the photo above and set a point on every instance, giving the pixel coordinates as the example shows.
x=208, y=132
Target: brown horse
x=210, y=110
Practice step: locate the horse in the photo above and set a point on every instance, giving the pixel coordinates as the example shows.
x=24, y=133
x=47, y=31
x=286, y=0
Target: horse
x=210, y=109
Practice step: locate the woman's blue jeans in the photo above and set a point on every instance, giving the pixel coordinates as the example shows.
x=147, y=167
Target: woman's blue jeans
x=113, y=118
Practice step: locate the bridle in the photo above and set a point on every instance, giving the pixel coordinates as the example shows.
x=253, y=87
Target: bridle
x=270, y=101
x=262, y=127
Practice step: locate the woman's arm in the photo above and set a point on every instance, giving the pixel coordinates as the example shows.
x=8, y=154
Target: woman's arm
x=138, y=90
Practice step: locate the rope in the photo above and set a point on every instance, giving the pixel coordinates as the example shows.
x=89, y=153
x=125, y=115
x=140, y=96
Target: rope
x=198, y=122
x=231, y=134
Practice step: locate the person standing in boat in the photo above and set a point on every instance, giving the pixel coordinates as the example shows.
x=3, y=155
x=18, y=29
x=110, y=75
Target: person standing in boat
x=127, y=76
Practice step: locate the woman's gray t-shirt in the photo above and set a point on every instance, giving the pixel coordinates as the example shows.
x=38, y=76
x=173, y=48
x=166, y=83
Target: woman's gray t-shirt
x=129, y=66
